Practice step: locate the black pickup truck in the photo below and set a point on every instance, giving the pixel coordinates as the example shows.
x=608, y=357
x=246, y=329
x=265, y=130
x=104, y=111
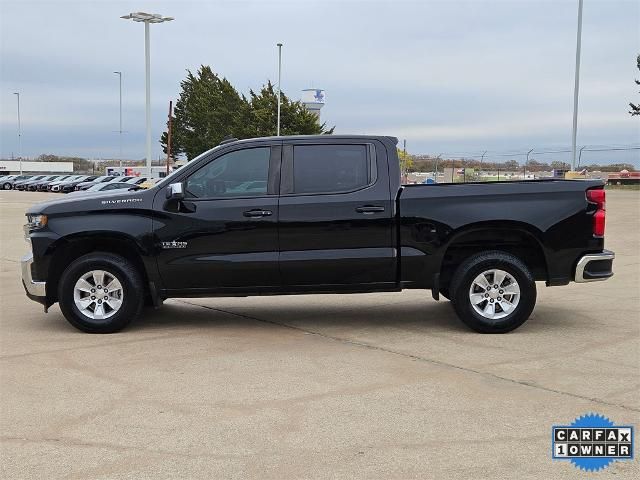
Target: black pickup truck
x=313, y=214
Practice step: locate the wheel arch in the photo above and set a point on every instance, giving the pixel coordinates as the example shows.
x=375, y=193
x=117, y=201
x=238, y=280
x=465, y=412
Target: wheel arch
x=519, y=239
x=71, y=247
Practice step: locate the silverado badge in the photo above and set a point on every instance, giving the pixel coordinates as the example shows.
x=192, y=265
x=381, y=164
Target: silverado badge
x=174, y=244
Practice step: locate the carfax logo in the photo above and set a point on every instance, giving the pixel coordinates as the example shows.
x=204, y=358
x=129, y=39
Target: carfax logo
x=592, y=442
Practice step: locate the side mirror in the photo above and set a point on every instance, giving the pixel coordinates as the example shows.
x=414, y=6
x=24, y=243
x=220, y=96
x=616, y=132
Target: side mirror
x=175, y=191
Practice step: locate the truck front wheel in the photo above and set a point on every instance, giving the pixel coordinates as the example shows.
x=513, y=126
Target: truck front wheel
x=100, y=293
x=493, y=292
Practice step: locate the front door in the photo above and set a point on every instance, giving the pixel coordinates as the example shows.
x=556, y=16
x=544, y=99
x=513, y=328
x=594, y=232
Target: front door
x=224, y=235
x=336, y=216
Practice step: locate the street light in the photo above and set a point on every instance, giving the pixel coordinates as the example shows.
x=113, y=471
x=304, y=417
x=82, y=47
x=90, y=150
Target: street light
x=279, y=79
x=526, y=164
x=120, y=129
x=576, y=88
x=147, y=18
x=17, y=94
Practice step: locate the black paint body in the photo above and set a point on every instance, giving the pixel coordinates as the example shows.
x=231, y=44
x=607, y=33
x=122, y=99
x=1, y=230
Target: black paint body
x=317, y=242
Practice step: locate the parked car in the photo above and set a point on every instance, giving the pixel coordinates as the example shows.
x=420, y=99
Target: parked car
x=24, y=184
x=33, y=186
x=10, y=180
x=150, y=182
x=104, y=178
x=51, y=186
x=106, y=188
x=136, y=180
x=71, y=186
x=325, y=213
x=42, y=185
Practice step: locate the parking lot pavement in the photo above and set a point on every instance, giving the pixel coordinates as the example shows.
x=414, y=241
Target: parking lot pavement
x=316, y=386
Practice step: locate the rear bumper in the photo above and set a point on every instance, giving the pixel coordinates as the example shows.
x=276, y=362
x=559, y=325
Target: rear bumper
x=595, y=267
x=36, y=291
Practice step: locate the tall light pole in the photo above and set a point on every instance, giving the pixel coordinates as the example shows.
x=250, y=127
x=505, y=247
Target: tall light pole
x=576, y=88
x=17, y=94
x=580, y=155
x=279, y=80
x=120, y=124
x=147, y=18
x=526, y=164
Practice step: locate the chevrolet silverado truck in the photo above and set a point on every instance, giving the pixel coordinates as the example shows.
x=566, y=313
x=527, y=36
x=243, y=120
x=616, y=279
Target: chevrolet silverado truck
x=313, y=214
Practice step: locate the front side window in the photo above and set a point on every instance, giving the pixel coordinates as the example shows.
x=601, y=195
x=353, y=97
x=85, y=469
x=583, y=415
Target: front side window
x=330, y=168
x=241, y=173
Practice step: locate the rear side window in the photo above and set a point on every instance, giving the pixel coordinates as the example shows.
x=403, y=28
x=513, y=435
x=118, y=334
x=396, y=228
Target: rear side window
x=331, y=168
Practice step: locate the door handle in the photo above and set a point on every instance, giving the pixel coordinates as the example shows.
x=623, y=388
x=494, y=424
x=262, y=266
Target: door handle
x=257, y=213
x=369, y=209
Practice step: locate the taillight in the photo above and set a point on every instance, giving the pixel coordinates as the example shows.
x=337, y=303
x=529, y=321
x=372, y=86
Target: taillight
x=598, y=197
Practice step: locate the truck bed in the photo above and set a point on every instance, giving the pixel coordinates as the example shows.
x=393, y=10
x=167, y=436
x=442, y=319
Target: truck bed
x=554, y=214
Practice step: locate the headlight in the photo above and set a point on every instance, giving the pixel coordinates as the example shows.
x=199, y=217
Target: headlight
x=36, y=221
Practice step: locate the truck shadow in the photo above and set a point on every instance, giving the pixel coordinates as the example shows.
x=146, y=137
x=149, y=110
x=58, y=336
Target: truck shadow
x=416, y=317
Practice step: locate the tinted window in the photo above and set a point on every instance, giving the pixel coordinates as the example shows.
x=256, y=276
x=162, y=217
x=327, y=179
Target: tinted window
x=330, y=168
x=242, y=173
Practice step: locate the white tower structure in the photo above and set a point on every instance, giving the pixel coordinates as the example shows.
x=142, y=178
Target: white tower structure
x=313, y=99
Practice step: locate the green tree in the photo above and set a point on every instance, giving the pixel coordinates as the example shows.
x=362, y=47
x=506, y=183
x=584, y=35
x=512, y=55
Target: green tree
x=210, y=108
x=635, y=109
x=406, y=162
x=511, y=165
x=295, y=119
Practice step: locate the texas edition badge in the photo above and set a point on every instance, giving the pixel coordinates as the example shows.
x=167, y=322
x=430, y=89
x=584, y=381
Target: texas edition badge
x=592, y=442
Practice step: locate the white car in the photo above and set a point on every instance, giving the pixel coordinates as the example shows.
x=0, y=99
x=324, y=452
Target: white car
x=8, y=181
x=106, y=187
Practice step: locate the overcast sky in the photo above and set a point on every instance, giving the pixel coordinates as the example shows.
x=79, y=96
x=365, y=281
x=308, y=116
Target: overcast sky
x=449, y=76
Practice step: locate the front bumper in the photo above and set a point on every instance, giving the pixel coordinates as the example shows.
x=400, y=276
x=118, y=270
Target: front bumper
x=36, y=291
x=595, y=267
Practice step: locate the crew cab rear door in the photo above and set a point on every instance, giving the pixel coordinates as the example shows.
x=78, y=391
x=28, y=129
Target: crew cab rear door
x=336, y=215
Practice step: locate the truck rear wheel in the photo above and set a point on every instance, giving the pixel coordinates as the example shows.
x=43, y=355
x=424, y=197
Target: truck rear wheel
x=100, y=293
x=493, y=292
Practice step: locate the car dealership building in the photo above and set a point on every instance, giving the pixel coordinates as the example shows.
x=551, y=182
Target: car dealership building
x=12, y=167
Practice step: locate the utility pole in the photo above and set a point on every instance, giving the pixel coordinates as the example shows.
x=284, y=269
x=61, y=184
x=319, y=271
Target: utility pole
x=19, y=133
x=482, y=158
x=404, y=158
x=279, y=80
x=576, y=88
x=435, y=179
x=169, y=135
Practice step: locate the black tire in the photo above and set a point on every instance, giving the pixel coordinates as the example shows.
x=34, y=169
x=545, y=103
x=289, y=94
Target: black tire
x=471, y=268
x=6, y=186
x=115, y=265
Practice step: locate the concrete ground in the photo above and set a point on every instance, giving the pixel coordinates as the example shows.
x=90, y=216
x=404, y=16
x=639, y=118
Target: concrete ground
x=361, y=386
